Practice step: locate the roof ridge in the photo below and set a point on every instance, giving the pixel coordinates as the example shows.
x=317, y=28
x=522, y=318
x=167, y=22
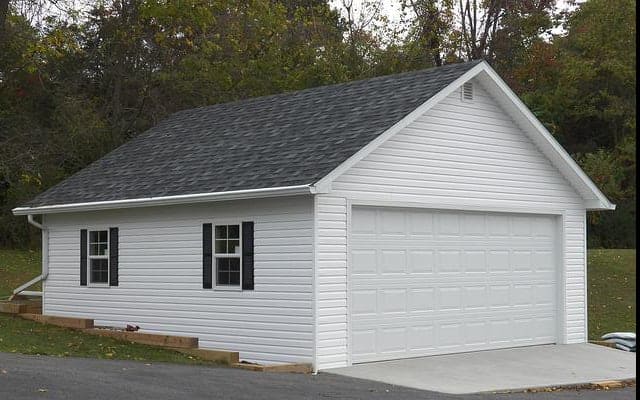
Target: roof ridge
x=332, y=85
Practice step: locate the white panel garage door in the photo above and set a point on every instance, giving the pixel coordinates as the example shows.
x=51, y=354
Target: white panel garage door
x=437, y=282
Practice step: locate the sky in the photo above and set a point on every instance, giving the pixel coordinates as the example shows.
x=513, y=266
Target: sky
x=392, y=9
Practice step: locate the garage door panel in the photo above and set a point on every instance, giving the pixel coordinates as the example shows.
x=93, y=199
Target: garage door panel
x=443, y=280
x=364, y=261
x=420, y=225
x=430, y=282
x=422, y=299
x=397, y=341
x=421, y=337
x=449, y=299
x=364, y=302
x=392, y=261
x=474, y=297
x=391, y=339
x=448, y=224
x=476, y=333
x=443, y=242
x=421, y=261
x=372, y=320
x=473, y=225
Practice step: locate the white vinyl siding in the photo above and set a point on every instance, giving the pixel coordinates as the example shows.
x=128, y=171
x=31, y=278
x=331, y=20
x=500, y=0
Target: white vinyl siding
x=464, y=155
x=160, y=276
x=331, y=264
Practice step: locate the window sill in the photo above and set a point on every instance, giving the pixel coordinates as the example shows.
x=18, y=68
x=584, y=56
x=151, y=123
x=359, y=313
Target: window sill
x=98, y=285
x=228, y=288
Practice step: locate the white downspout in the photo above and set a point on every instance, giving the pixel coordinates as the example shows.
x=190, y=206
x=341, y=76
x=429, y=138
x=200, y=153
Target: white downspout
x=45, y=261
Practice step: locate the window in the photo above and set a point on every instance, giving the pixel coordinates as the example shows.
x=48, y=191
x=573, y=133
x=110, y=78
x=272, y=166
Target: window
x=227, y=255
x=99, y=257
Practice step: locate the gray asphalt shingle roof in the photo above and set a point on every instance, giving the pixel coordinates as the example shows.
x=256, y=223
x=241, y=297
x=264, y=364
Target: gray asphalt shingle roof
x=288, y=139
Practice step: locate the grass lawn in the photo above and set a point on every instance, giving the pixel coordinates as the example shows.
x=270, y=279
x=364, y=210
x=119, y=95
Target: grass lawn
x=612, y=307
x=612, y=291
x=16, y=268
x=21, y=336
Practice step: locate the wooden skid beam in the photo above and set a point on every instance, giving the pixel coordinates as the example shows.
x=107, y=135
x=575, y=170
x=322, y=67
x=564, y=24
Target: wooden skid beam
x=222, y=356
x=12, y=308
x=181, y=342
x=66, y=322
x=291, y=368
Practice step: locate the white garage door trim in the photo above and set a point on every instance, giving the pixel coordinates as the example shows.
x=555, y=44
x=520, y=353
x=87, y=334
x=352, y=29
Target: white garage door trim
x=560, y=283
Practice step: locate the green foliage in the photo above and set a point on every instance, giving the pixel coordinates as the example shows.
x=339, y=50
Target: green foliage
x=609, y=229
x=582, y=86
x=519, y=35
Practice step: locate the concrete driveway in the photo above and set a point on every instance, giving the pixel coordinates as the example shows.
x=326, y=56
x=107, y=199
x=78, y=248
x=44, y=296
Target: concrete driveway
x=502, y=370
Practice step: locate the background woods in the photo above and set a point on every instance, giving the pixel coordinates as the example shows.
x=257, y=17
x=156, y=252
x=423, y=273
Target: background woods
x=78, y=78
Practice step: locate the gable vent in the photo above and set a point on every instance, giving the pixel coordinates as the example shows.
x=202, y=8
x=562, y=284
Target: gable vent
x=467, y=91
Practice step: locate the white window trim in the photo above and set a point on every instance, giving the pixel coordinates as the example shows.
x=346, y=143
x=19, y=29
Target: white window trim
x=104, y=257
x=232, y=288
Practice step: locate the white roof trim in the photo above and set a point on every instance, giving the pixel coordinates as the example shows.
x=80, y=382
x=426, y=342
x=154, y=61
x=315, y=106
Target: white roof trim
x=569, y=167
x=167, y=200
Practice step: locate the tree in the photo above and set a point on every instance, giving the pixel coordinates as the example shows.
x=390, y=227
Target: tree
x=583, y=87
x=429, y=29
x=478, y=23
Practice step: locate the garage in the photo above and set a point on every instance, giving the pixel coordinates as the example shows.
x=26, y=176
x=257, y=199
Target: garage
x=427, y=282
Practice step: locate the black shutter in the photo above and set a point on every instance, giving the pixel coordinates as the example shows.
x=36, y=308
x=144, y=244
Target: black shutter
x=83, y=257
x=207, y=256
x=113, y=256
x=247, y=255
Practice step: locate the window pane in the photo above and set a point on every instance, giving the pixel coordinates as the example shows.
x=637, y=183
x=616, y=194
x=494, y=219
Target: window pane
x=102, y=235
x=98, y=249
x=228, y=271
x=99, y=271
x=234, y=231
x=221, y=231
x=93, y=236
x=234, y=247
x=223, y=278
x=222, y=264
x=234, y=264
x=221, y=246
x=234, y=278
